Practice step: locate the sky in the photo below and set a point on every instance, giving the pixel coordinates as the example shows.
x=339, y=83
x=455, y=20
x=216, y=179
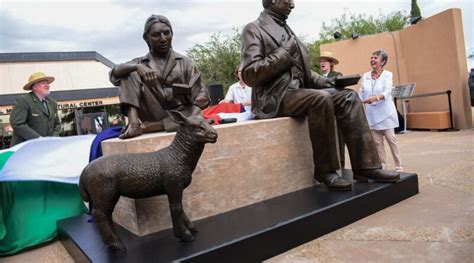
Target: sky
x=114, y=28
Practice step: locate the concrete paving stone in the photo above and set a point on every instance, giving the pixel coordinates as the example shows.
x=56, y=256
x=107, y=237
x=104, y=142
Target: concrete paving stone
x=436, y=215
x=379, y=251
x=52, y=252
x=435, y=206
x=436, y=225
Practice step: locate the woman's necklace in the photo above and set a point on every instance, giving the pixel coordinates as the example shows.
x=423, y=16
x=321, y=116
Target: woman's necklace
x=375, y=76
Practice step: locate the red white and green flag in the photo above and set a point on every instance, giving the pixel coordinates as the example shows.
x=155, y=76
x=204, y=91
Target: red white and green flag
x=56, y=159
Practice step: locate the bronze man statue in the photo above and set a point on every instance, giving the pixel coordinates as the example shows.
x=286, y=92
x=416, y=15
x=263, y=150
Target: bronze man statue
x=277, y=64
x=148, y=84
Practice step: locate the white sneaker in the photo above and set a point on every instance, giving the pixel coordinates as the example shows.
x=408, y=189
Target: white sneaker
x=399, y=169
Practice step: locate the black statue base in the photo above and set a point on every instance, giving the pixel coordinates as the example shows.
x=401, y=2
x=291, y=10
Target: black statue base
x=248, y=234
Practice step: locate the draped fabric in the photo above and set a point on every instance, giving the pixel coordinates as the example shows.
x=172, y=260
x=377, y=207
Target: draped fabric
x=38, y=186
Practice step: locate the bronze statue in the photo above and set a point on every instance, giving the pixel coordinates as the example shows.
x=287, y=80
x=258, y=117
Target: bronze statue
x=277, y=64
x=147, y=83
x=166, y=171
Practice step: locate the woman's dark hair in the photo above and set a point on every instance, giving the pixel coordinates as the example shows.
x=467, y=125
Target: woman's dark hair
x=155, y=19
x=381, y=53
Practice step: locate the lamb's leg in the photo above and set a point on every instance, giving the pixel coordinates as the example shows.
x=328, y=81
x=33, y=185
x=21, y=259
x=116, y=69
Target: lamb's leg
x=177, y=216
x=103, y=208
x=190, y=225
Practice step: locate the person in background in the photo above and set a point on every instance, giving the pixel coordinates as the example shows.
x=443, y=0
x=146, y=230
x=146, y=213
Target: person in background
x=236, y=105
x=35, y=114
x=327, y=62
x=239, y=92
x=376, y=93
x=29, y=209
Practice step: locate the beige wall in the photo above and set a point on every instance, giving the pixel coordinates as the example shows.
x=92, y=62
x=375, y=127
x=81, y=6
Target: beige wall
x=430, y=53
x=70, y=75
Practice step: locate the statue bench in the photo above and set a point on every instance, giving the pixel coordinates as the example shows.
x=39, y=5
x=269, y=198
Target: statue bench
x=251, y=162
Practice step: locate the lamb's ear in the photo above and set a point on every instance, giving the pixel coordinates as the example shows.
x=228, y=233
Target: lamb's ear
x=177, y=116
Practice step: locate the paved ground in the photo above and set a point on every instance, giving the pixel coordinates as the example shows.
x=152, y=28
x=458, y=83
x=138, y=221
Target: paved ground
x=436, y=225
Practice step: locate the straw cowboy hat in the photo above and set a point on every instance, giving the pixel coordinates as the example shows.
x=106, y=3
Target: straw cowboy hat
x=35, y=78
x=329, y=56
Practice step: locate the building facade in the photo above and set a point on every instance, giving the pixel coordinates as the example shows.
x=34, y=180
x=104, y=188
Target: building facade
x=87, y=101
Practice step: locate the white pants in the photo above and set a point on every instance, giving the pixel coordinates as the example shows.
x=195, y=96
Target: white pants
x=392, y=141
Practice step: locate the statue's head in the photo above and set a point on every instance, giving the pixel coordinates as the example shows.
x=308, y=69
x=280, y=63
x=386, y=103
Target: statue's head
x=158, y=34
x=281, y=7
x=194, y=126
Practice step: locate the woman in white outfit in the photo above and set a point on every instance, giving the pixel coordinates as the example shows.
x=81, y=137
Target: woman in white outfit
x=376, y=93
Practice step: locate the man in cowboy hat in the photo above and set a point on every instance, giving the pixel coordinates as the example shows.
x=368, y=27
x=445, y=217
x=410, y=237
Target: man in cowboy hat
x=276, y=64
x=327, y=61
x=35, y=114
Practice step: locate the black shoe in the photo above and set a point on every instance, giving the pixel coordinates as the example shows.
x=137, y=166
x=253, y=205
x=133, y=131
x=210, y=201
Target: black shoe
x=334, y=182
x=379, y=175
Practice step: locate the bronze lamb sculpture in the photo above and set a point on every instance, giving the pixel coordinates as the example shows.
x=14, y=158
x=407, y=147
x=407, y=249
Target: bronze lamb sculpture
x=166, y=171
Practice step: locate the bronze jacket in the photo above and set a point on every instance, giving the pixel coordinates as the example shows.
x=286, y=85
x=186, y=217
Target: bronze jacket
x=178, y=69
x=30, y=119
x=267, y=66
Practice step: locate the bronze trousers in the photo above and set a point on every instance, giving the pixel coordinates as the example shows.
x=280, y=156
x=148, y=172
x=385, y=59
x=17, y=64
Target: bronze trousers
x=324, y=109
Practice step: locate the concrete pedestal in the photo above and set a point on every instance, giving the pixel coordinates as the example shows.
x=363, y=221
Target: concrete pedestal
x=248, y=234
x=251, y=162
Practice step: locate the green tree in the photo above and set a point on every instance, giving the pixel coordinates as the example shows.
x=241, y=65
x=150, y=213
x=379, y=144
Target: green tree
x=360, y=24
x=218, y=58
x=415, y=9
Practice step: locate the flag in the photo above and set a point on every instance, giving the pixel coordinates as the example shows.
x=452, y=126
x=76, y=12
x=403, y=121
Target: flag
x=55, y=159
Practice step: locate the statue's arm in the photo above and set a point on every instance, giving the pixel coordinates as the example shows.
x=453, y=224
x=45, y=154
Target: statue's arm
x=200, y=93
x=320, y=82
x=259, y=68
x=124, y=70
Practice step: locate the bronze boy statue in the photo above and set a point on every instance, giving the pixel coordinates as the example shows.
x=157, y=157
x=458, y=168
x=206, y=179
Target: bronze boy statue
x=149, y=84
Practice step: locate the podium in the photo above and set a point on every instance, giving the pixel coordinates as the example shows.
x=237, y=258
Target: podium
x=403, y=93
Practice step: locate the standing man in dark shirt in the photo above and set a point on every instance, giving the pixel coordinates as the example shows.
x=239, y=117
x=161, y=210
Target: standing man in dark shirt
x=29, y=209
x=277, y=64
x=35, y=114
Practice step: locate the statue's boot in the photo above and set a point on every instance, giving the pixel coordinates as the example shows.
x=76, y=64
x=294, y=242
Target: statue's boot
x=334, y=182
x=379, y=175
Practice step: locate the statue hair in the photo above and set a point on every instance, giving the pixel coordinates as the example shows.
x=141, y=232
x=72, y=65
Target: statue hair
x=267, y=3
x=152, y=20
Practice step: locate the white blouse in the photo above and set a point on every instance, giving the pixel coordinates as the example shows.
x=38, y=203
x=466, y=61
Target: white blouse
x=382, y=114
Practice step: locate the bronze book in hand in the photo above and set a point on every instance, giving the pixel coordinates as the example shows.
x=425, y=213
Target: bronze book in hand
x=181, y=89
x=349, y=80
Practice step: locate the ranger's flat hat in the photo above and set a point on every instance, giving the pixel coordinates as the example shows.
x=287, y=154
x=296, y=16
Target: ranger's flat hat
x=329, y=56
x=35, y=78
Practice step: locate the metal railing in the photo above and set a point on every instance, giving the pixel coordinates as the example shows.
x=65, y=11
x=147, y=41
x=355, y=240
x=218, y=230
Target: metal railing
x=448, y=93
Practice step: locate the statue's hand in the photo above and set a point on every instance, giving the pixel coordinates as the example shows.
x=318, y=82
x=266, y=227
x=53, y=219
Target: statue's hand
x=331, y=81
x=149, y=77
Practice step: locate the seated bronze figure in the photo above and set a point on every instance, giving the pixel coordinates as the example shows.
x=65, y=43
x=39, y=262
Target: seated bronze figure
x=146, y=83
x=276, y=64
